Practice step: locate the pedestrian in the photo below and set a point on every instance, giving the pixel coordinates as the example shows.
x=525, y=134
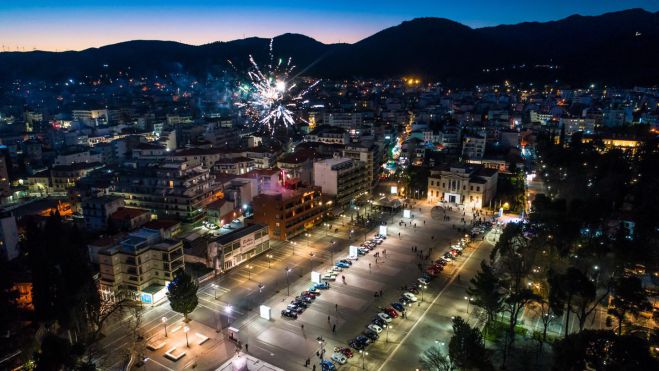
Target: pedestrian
x=307, y=362
x=246, y=348
x=369, y=264
x=328, y=319
x=314, y=367
x=302, y=326
x=334, y=327
x=424, y=222
x=336, y=306
x=380, y=292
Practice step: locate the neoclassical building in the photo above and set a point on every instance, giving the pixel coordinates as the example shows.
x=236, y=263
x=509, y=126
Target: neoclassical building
x=473, y=187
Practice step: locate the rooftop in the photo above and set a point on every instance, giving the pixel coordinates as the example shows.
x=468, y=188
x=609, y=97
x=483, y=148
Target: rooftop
x=239, y=233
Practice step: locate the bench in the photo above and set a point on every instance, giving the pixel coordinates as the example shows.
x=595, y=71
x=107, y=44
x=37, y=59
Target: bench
x=155, y=344
x=174, y=356
x=202, y=338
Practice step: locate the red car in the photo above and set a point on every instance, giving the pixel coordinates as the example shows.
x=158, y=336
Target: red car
x=432, y=272
x=344, y=350
x=391, y=312
x=438, y=267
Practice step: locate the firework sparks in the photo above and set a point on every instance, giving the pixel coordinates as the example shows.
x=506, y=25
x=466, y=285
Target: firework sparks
x=269, y=94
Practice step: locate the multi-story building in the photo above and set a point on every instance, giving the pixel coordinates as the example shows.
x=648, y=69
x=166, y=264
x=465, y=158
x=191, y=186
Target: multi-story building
x=473, y=187
x=92, y=117
x=328, y=135
x=168, y=188
x=4, y=178
x=8, y=238
x=141, y=265
x=341, y=178
x=234, y=165
x=96, y=211
x=64, y=177
x=288, y=213
x=473, y=146
x=297, y=167
x=238, y=247
x=367, y=155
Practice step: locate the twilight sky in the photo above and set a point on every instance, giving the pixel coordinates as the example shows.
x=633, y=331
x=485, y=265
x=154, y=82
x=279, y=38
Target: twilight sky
x=79, y=24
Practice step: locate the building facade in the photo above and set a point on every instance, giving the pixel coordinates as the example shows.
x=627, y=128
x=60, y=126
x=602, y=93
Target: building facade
x=237, y=247
x=343, y=178
x=142, y=265
x=473, y=187
x=288, y=213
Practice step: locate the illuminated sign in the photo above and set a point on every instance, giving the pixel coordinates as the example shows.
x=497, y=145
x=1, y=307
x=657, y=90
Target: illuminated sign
x=406, y=213
x=394, y=190
x=315, y=277
x=146, y=298
x=247, y=241
x=353, y=251
x=265, y=312
x=383, y=230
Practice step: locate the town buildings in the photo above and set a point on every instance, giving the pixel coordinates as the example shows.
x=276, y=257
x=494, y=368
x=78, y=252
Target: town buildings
x=288, y=213
x=473, y=187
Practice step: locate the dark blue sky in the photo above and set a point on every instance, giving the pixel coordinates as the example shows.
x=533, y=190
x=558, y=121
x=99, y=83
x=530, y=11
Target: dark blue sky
x=76, y=24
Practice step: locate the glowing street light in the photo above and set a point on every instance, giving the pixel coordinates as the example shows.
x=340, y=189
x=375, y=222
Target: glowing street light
x=164, y=323
x=186, y=329
x=288, y=287
x=269, y=258
x=363, y=354
x=468, y=299
x=214, y=286
x=249, y=272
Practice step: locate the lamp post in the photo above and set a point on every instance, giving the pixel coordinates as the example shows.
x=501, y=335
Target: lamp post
x=249, y=272
x=228, y=309
x=293, y=243
x=321, y=342
x=308, y=236
x=388, y=327
x=185, y=330
x=468, y=299
x=363, y=354
x=214, y=286
x=288, y=290
x=269, y=258
x=164, y=324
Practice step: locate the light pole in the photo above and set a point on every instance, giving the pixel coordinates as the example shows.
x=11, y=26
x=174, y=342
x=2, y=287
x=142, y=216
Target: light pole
x=228, y=310
x=468, y=299
x=185, y=330
x=269, y=258
x=164, y=324
x=308, y=236
x=388, y=327
x=249, y=272
x=293, y=243
x=288, y=290
x=321, y=342
x=214, y=286
x=363, y=354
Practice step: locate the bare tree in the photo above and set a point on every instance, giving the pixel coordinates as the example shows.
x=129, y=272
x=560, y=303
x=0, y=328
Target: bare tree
x=433, y=359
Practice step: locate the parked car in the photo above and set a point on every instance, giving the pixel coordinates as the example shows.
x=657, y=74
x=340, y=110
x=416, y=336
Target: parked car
x=344, y=350
x=370, y=334
x=423, y=280
x=288, y=314
x=391, y=312
x=342, y=264
x=321, y=286
x=327, y=365
x=374, y=327
x=398, y=306
x=410, y=296
x=379, y=321
x=385, y=317
x=346, y=261
x=356, y=345
x=404, y=300
x=294, y=308
x=412, y=289
x=363, y=339
x=339, y=358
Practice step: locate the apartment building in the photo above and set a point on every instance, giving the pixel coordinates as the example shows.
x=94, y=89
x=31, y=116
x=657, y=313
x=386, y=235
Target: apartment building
x=341, y=178
x=141, y=265
x=288, y=213
x=237, y=247
x=365, y=154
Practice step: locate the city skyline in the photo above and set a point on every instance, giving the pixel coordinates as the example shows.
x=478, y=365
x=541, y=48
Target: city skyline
x=77, y=25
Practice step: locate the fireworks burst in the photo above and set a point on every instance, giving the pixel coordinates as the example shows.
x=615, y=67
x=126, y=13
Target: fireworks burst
x=269, y=95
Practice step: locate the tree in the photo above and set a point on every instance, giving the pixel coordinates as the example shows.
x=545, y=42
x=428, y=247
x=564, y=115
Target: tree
x=55, y=354
x=467, y=347
x=628, y=298
x=433, y=359
x=602, y=350
x=182, y=294
x=485, y=289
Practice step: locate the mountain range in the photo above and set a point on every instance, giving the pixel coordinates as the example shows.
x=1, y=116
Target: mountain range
x=616, y=48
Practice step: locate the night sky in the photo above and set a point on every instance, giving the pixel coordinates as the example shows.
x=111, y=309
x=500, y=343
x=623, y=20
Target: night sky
x=74, y=24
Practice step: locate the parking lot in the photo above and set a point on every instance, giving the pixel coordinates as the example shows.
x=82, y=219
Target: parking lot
x=343, y=311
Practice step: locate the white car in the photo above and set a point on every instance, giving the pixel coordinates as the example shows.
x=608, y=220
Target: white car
x=422, y=281
x=410, y=296
x=339, y=358
x=375, y=328
x=385, y=317
x=337, y=269
x=352, y=257
x=329, y=277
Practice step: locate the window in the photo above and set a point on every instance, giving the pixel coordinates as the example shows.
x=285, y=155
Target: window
x=432, y=182
x=478, y=189
x=471, y=188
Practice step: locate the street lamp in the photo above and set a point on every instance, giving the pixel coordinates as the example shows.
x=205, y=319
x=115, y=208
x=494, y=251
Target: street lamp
x=249, y=272
x=388, y=327
x=269, y=257
x=363, y=354
x=321, y=342
x=308, y=236
x=288, y=290
x=185, y=330
x=293, y=243
x=164, y=323
x=228, y=309
x=214, y=286
x=468, y=299
x=311, y=255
